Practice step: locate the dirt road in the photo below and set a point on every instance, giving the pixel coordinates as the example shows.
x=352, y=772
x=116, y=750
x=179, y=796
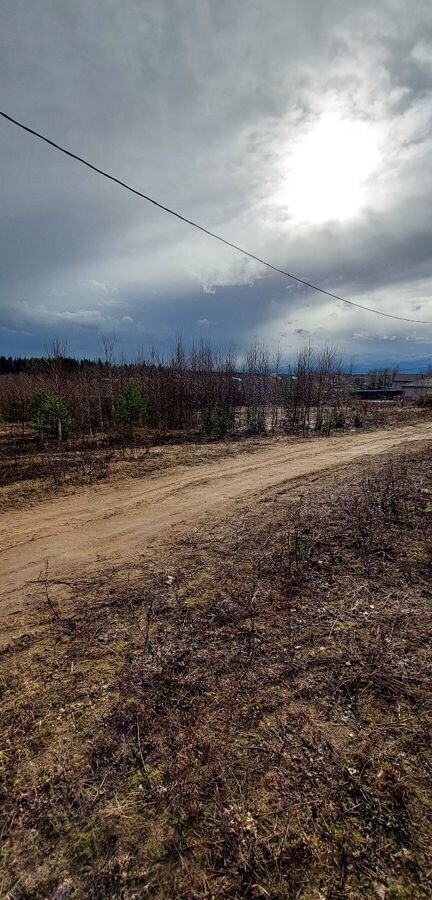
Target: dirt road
x=115, y=523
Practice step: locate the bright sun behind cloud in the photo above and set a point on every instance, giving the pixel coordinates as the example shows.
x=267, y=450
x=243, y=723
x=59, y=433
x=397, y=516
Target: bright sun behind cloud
x=327, y=172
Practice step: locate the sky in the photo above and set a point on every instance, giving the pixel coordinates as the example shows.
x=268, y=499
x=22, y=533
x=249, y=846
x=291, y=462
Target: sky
x=300, y=130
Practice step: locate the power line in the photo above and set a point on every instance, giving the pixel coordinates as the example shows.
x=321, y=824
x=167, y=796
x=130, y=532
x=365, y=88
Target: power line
x=207, y=231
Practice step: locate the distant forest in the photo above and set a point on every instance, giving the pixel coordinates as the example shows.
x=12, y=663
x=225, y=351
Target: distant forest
x=10, y=365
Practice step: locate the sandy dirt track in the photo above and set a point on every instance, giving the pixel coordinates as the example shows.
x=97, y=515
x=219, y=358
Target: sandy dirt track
x=115, y=523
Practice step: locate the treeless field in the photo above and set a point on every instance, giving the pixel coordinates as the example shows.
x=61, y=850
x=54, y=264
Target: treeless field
x=237, y=708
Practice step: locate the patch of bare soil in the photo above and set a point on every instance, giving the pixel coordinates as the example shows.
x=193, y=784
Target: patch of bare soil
x=31, y=471
x=112, y=523
x=80, y=525
x=246, y=718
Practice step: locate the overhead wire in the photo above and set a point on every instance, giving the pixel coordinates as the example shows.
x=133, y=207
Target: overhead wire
x=207, y=231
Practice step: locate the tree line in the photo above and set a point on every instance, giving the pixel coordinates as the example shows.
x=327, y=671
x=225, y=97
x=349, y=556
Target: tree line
x=193, y=389
x=33, y=364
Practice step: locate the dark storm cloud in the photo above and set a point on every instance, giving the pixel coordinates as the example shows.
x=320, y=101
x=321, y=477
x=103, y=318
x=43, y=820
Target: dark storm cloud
x=200, y=104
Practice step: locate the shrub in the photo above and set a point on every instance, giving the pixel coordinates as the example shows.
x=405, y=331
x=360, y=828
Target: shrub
x=338, y=419
x=255, y=420
x=49, y=415
x=131, y=407
x=218, y=421
x=15, y=410
x=425, y=401
x=335, y=419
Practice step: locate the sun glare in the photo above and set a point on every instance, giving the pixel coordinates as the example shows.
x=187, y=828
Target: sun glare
x=327, y=173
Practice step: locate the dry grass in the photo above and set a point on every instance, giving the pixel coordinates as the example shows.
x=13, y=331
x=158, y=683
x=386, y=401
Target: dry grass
x=249, y=720
x=31, y=471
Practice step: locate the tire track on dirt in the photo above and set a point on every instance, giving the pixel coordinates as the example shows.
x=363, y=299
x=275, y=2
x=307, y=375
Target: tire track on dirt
x=96, y=526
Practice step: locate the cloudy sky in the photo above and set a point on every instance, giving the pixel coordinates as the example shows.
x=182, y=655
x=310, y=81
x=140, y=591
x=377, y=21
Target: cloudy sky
x=299, y=129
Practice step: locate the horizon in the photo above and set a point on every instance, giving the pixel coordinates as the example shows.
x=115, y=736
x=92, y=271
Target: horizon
x=347, y=367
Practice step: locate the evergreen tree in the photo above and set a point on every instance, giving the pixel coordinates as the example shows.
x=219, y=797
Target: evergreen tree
x=49, y=414
x=131, y=407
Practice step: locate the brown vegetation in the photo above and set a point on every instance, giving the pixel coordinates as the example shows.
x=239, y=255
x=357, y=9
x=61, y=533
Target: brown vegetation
x=247, y=720
x=66, y=423
x=194, y=392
